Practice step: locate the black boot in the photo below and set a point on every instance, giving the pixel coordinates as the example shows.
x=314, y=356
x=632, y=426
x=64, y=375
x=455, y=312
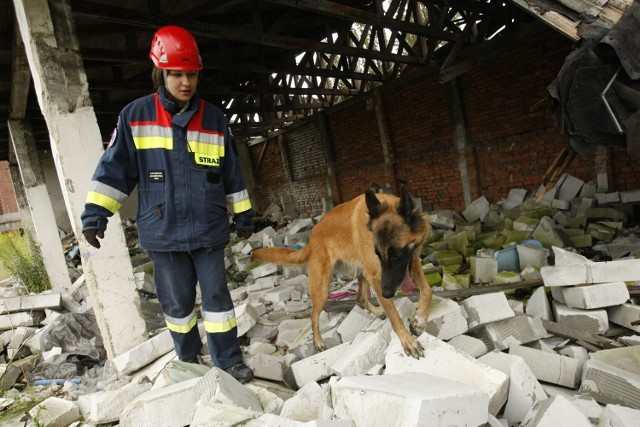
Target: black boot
x=240, y=372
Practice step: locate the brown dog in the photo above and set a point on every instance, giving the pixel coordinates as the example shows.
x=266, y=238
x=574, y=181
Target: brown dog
x=380, y=237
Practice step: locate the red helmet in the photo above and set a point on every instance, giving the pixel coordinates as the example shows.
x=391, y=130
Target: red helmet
x=174, y=48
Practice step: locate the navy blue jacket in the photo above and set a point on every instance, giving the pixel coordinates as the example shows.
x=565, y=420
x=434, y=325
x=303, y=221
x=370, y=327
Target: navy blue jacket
x=187, y=172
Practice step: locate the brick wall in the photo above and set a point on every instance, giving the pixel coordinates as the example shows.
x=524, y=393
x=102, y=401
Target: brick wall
x=512, y=139
x=8, y=203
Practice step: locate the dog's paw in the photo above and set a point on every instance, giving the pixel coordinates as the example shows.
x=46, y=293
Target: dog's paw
x=319, y=345
x=418, y=325
x=413, y=349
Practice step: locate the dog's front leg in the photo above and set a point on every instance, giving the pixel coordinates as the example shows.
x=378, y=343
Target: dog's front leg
x=419, y=322
x=411, y=345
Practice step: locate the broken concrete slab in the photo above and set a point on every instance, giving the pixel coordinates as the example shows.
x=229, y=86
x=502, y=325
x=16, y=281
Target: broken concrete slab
x=501, y=335
x=411, y=399
x=619, y=416
x=171, y=405
x=627, y=315
x=444, y=361
x=597, y=272
x=30, y=303
x=603, y=382
x=469, y=345
x=524, y=389
x=593, y=321
x=107, y=405
x=555, y=411
x=446, y=319
x=55, y=412
x=483, y=309
x=144, y=353
x=596, y=296
x=318, y=366
x=550, y=367
x=538, y=305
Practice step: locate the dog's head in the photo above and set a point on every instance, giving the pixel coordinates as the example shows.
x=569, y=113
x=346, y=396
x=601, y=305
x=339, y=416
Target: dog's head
x=399, y=229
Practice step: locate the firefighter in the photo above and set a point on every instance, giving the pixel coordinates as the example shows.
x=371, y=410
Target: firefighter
x=178, y=150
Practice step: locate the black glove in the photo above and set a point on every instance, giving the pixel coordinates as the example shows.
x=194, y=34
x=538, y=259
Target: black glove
x=91, y=235
x=244, y=232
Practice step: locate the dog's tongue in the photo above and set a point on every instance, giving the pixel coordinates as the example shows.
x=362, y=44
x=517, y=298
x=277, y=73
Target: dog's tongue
x=408, y=286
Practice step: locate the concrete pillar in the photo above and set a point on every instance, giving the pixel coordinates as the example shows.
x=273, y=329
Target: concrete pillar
x=37, y=196
x=454, y=99
x=76, y=146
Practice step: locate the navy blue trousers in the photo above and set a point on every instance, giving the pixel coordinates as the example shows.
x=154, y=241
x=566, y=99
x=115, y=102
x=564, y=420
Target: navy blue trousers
x=176, y=275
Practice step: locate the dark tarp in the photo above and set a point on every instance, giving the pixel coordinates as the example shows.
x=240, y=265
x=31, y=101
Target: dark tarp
x=598, y=88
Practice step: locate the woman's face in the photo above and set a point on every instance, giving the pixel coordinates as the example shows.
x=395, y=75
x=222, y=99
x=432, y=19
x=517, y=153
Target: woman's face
x=182, y=85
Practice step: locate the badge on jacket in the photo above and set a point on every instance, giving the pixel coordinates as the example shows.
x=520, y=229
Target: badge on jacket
x=156, y=176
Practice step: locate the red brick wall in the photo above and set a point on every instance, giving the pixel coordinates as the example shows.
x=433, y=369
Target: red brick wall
x=512, y=139
x=8, y=203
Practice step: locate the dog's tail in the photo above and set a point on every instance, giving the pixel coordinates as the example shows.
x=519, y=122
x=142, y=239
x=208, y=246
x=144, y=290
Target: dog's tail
x=282, y=256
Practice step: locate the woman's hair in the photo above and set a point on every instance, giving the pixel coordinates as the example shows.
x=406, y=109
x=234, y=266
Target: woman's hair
x=157, y=77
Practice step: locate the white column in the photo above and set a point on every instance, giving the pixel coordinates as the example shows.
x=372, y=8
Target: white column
x=61, y=85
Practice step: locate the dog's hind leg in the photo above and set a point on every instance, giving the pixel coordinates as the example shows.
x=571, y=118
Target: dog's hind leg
x=319, y=269
x=363, y=297
x=419, y=322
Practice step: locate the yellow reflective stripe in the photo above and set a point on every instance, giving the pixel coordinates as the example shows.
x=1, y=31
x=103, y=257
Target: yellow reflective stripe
x=212, y=150
x=149, y=142
x=241, y=206
x=182, y=329
x=105, y=201
x=217, y=327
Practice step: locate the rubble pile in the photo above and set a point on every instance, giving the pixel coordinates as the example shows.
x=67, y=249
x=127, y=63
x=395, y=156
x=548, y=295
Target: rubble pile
x=535, y=322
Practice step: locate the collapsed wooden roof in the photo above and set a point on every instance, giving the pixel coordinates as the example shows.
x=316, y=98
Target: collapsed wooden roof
x=269, y=63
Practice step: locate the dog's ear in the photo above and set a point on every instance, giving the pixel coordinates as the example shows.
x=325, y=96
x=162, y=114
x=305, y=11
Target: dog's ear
x=409, y=211
x=373, y=204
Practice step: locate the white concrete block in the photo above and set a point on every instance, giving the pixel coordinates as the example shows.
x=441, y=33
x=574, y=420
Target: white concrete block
x=627, y=315
x=177, y=371
x=318, y=366
x=532, y=255
x=55, y=412
x=216, y=414
x=538, y=305
x=553, y=412
x=516, y=330
x=30, y=302
x=271, y=402
x=592, y=321
x=549, y=367
x=246, y=317
x=604, y=383
x=619, y=416
x=143, y=353
x=444, y=361
x=263, y=270
x=624, y=270
x=367, y=350
x=596, y=296
x=106, y=406
x=408, y=399
x=290, y=329
x=469, y=345
x=575, y=351
x=357, y=319
x=22, y=318
x=173, y=405
x=627, y=358
x=267, y=366
x=557, y=294
x=487, y=308
x=306, y=404
x=524, y=389
x=483, y=268
x=446, y=319
x=219, y=386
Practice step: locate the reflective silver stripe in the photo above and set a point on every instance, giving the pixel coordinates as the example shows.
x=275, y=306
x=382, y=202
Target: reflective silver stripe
x=240, y=196
x=218, y=316
x=204, y=137
x=106, y=190
x=180, y=321
x=151, y=130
